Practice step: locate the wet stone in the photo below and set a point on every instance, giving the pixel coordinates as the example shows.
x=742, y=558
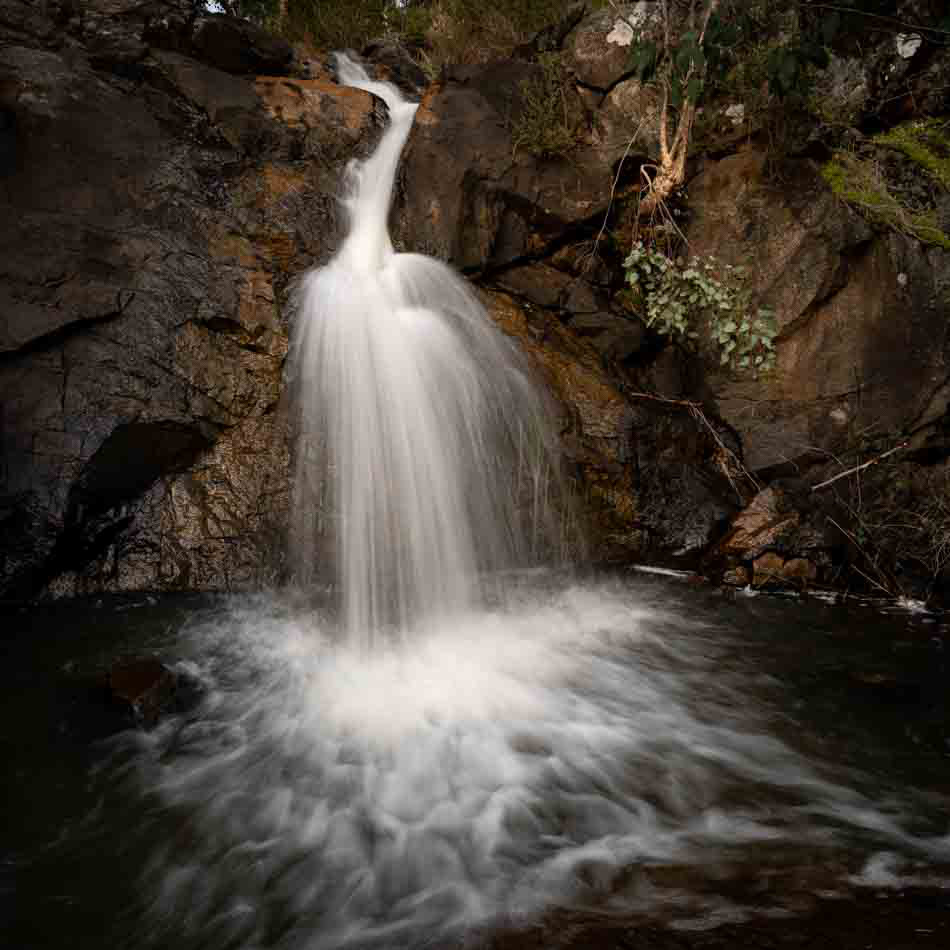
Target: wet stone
x=141, y=688
x=767, y=569
x=736, y=577
x=135, y=693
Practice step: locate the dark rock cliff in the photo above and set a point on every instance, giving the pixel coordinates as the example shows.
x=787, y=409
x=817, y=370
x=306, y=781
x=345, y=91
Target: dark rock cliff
x=154, y=209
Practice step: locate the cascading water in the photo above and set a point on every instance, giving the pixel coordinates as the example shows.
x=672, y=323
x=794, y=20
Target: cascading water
x=415, y=418
x=560, y=744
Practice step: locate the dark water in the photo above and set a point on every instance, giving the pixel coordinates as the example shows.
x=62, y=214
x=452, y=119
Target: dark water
x=626, y=762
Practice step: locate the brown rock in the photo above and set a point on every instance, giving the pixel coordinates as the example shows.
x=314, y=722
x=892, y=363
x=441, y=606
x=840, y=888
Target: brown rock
x=768, y=569
x=800, y=571
x=862, y=317
x=763, y=523
x=736, y=577
x=594, y=424
x=599, y=48
x=627, y=121
x=469, y=196
x=141, y=688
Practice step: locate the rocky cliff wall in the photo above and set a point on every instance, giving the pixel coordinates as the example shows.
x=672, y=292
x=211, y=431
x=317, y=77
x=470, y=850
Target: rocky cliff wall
x=156, y=200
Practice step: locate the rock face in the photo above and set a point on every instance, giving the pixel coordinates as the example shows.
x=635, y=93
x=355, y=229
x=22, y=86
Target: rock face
x=154, y=209
x=863, y=336
x=469, y=195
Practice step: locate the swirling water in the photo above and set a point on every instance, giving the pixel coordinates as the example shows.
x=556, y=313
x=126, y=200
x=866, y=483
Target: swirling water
x=631, y=746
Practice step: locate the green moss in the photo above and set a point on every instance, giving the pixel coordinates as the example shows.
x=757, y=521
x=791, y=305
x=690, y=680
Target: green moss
x=859, y=182
x=926, y=143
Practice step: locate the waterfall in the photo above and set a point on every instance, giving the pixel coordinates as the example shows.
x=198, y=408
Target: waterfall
x=423, y=452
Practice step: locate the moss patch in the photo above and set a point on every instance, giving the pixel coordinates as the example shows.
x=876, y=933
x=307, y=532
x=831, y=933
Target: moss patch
x=924, y=142
x=861, y=183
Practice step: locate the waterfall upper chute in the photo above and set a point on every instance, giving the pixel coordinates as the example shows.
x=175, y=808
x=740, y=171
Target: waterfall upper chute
x=423, y=451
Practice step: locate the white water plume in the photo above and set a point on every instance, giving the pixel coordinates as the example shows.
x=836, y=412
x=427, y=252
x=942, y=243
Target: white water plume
x=423, y=455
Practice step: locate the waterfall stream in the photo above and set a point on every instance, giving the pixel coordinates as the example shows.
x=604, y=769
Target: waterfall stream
x=423, y=447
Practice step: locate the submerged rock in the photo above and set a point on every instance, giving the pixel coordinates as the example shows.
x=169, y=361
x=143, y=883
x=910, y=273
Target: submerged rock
x=134, y=693
x=140, y=689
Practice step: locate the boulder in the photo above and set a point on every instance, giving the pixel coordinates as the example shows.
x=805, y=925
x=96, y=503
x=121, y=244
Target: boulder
x=469, y=196
x=239, y=46
x=799, y=571
x=391, y=62
x=768, y=521
x=140, y=689
x=736, y=577
x=599, y=49
x=768, y=570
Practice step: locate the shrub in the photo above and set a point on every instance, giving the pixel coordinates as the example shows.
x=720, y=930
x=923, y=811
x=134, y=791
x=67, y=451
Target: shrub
x=545, y=127
x=675, y=297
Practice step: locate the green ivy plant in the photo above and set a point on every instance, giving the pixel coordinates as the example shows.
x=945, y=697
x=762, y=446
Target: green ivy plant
x=674, y=296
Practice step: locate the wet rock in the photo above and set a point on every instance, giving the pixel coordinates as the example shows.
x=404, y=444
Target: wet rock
x=736, y=577
x=594, y=425
x=645, y=475
x=767, y=521
x=768, y=570
x=135, y=693
x=394, y=64
x=140, y=689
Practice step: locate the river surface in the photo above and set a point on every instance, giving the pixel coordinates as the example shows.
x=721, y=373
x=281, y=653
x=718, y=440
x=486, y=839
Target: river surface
x=625, y=761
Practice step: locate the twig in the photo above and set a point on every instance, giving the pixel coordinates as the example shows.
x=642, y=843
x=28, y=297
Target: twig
x=686, y=403
x=877, y=16
x=860, y=468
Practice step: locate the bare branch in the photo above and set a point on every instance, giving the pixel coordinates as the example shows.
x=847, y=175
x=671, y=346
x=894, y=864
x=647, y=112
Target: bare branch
x=860, y=468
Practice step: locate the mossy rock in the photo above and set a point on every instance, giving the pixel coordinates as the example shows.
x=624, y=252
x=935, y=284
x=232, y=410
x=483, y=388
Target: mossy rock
x=926, y=143
x=892, y=193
